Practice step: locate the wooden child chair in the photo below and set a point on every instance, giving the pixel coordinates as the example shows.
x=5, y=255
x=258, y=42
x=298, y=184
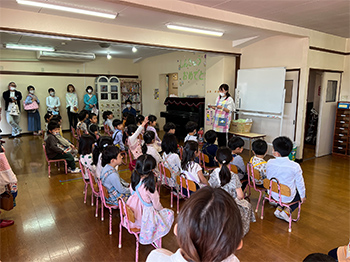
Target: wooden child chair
x=57, y=161
x=274, y=185
x=252, y=175
x=165, y=174
x=187, y=184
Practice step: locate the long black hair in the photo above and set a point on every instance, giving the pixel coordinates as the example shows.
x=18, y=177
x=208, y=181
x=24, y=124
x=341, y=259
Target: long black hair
x=101, y=143
x=188, y=154
x=144, y=169
x=226, y=88
x=129, y=130
x=85, y=144
x=148, y=137
x=224, y=157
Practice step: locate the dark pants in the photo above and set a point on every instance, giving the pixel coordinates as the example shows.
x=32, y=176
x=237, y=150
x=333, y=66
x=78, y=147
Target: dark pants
x=296, y=198
x=68, y=157
x=73, y=118
x=221, y=139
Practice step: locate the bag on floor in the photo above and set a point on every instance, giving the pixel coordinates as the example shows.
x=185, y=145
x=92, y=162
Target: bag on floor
x=6, y=200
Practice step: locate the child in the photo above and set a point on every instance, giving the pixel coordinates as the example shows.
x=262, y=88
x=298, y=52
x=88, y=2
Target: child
x=260, y=149
x=118, y=134
x=152, y=122
x=146, y=201
x=169, y=128
x=191, y=128
x=93, y=127
x=129, y=109
x=171, y=159
x=190, y=168
x=209, y=228
x=229, y=181
x=288, y=173
x=236, y=145
x=82, y=116
x=53, y=102
x=47, y=119
x=111, y=158
x=139, y=119
x=108, y=116
x=209, y=148
x=100, y=145
x=53, y=151
x=86, y=143
x=148, y=148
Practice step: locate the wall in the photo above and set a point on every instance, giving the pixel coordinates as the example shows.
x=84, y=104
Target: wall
x=100, y=66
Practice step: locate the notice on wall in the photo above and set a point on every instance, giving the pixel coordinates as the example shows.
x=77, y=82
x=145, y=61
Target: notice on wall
x=156, y=93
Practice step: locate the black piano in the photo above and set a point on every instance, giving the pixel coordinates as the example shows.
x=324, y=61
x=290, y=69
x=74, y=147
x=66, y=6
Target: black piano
x=180, y=110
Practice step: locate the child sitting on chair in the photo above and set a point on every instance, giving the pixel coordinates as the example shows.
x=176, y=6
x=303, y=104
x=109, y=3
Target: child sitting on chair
x=148, y=147
x=86, y=143
x=259, y=148
x=82, y=116
x=53, y=151
x=111, y=158
x=191, y=128
x=288, y=173
x=108, y=116
x=145, y=203
x=236, y=145
x=209, y=148
x=47, y=119
x=169, y=128
x=171, y=159
x=118, y=134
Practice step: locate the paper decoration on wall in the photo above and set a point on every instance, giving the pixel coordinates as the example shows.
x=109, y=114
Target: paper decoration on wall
x=209, y=117
x=156, y=93
x=192, y=69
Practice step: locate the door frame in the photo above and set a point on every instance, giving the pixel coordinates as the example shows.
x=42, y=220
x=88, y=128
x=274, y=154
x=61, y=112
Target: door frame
x=297, y=102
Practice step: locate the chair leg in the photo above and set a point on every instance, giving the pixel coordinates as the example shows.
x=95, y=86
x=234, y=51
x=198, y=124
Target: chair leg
x=171, y=199
x=92, y=199
x=257, y=205
x=120, y=234
x=96, y=212
x=262, y=209
x=137, y=251
x=178, y=202
x=290, y=220
x=110, y=221
x=102, y=211
x=66, y=167
x=49, y=168
x=85, y=193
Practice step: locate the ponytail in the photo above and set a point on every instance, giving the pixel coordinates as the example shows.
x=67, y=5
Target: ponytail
x=148, y=137
x=224, y=157
x=144, y=168
x=224, y=175
x=144, y=148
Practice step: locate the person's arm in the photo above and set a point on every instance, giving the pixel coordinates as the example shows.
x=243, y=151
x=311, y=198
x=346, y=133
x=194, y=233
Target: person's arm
x=86, y=99
x=120, y=140
x=28, y=100
x=155, y=200
x=58, y=102
x=18, y=96
x=201, y=177
x=51, y=145
x=115, y=181
x=300, y=184
x=75, y=100
x=48, y=103
x=240, y=194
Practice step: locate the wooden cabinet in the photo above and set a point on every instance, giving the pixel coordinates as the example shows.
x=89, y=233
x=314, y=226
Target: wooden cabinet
x=341, y=141
x=132, y=89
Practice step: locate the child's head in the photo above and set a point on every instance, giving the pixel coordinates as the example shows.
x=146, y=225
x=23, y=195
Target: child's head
x=319, y=257
x=128, y=103
x=149, y=138
x=130, y=120
x=83, y=115
x=48, y=117
x=130, y=129
x=169, y=128
x=259, y=147
x=209, y=226
x=125, y=115
x=70, y=88
x=51, y=91
x=107, y=115
x=236, y=144
x=53, y=127
x=117, y=124
x=282, y=146
x=100, y=144
x=93, y=130
x=112, y=155
x=224, y=157
x=190, y=152
x=93, y=118
x=210, y=136
x=191, y=127
x=139, y=119
x=144, y=170
x=169, y=143
x=86, y=143
x=152, y=120
x=57, y=118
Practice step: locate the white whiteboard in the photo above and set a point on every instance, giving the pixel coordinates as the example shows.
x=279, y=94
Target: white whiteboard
x=261, y=89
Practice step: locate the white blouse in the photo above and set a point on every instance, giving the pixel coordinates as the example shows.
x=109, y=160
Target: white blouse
x=52, y=102
x=71, y=100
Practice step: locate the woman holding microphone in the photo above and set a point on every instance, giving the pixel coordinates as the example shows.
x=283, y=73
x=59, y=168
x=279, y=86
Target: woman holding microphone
x=223, y=113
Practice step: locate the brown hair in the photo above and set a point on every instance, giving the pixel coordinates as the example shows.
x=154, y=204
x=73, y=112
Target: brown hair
x=70, y=85
x=209, y=226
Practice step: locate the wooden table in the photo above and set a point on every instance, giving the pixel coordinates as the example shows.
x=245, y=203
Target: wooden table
x=250, y=136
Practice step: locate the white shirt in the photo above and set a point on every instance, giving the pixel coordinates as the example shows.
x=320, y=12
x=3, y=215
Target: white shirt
x=163, y=255
x=51, y=102
x=71, y=100
x=192, y=171
x=172, y=162
x=288, y=173
x=191, y=138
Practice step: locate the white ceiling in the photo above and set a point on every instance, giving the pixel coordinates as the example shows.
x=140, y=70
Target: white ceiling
x=330, y=16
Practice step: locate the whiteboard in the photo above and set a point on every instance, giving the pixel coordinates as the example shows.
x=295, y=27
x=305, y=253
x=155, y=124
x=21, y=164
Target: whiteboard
x=261, y=89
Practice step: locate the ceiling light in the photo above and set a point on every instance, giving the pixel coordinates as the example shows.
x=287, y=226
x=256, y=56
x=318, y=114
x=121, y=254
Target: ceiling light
x=195, y=30
x=134, y=49
x=67, y=8
x=37, y=35
x=109, y=57
x=29, y=47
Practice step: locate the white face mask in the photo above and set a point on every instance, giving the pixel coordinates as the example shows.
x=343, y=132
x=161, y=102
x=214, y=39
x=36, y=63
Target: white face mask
x=128, y=105
x=12, y=88
x=31, y=91
x=222, y=94
x=89, y=91
x=52, y=93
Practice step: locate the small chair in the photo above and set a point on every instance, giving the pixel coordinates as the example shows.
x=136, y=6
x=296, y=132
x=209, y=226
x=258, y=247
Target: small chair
x=204, y=159
x=164, y=174
x=75, y=136
x=103, y=193
x=79, y=133
x=252, y=175
x=107, y=130
x=183, y=182
x=95, y=193
x=86, y=184
x=282, y=190
x=127, y=216
x=57, y=161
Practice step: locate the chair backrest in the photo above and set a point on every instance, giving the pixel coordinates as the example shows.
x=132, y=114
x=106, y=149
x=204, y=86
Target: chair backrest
x=186, y=183
x=181, y=151
x=47, y=159
x=205, y=158
x=275, y=186
x=253, y=174
x=126, y=211
x=93, y=184
x=83, y=171
x=79, y=133
x=164, y=172
x=103, y=193
x=234, y=169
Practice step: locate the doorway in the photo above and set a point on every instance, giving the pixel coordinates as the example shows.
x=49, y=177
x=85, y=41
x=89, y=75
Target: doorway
x=322, y=97
x=173, y=84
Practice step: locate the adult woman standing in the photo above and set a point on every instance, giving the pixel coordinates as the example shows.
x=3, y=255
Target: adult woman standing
x=32, y=104
x=223, y=113
x=72, y=106
x=90, y=100
x=13, y=99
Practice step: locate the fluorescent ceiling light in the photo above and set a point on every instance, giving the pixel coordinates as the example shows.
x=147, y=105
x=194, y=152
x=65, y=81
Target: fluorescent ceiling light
x=134, y=49
x=194, y=30
x=67, y=8
x=109, y=57
x=29, y=47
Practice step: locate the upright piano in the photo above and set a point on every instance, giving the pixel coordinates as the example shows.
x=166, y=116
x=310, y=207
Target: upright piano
x=180, y=110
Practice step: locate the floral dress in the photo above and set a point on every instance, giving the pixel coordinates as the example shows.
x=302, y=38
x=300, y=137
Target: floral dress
x=244, y=206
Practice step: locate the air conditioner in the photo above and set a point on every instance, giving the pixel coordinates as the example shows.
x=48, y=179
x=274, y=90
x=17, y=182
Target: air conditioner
x=65, y=56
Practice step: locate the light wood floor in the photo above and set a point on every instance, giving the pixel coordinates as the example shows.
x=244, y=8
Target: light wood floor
x=53, y=224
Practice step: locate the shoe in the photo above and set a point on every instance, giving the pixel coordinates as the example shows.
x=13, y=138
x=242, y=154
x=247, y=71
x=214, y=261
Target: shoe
x=11, y=136
x=6, y=223
x=74, y=171
x=277, y=213
x=273, y=203
x=284, y=216
x=76, y=159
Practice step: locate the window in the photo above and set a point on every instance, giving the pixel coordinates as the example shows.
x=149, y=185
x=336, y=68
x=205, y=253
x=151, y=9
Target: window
x=331, y=91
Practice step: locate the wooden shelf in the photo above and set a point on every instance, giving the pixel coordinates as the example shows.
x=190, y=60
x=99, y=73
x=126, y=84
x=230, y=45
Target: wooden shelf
x=341, y=139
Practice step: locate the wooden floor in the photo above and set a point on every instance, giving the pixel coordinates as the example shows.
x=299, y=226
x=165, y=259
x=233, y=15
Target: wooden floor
x=53, y=224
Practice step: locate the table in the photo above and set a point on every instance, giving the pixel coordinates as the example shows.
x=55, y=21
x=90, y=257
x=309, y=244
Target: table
x=250, y=136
